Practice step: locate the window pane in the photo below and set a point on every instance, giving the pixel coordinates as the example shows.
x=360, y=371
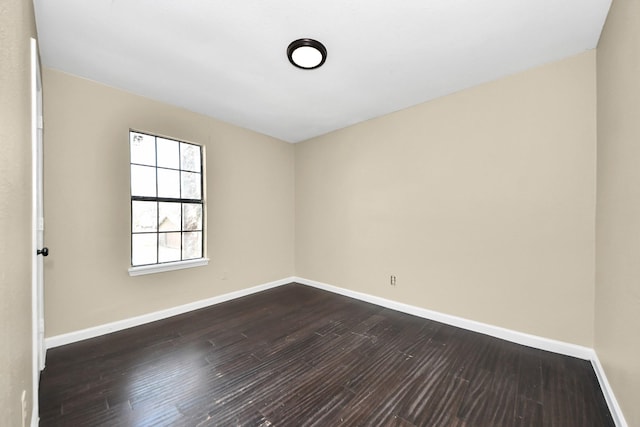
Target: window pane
x=144, y=249
x=143, y=181
x=168, y=183
x=169, y=249
x=143, y=149
x=191, y=185
x=169, y=217
x=144, y=216
x=192, y=245
x=189, y=157
x=168, y=153
x=191, y=216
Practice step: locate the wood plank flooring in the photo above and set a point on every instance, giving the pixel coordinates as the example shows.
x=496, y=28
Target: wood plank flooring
x=299, y=356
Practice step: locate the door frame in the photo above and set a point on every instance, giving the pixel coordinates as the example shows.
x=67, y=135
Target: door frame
x=37, y=227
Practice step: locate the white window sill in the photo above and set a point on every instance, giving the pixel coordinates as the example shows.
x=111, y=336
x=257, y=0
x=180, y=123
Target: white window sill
x=169, y=266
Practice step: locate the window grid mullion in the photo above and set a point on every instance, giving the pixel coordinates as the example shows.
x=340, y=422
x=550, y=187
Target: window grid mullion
x=155, y=142
x=181, y=209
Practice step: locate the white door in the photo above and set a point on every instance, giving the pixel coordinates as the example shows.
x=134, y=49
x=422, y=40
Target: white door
x=39, y=251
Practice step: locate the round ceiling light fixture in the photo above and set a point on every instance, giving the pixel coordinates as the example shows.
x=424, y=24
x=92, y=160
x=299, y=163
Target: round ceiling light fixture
x=307, y=53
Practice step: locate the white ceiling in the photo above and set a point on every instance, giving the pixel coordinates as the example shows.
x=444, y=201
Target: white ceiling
x=227, y=59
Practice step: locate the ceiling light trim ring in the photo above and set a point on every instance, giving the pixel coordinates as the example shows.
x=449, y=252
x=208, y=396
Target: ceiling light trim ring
x=306, y=42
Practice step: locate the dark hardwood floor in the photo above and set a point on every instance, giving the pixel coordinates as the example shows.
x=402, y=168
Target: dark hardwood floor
x=298, y=356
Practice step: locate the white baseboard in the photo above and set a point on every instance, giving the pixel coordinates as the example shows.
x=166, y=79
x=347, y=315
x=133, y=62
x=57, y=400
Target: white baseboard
x=71, y=337
x=471, y=325
x=35, y=418
x=534, y=341
x=529, y=340
x=612, y=402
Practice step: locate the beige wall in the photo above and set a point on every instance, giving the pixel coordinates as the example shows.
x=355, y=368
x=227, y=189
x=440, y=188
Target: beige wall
x=482, y=196
x=17, y=26
x=250, y=194
x=617, y=309
x=482, y=203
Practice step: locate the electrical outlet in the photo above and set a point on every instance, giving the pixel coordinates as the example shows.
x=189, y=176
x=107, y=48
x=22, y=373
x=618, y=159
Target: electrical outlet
x=25, y=413
x=393, y=280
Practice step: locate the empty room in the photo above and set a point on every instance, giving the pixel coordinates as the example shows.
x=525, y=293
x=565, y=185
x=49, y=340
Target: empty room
x=279, y=213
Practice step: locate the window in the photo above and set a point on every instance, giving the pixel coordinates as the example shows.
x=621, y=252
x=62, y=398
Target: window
x=167, y=203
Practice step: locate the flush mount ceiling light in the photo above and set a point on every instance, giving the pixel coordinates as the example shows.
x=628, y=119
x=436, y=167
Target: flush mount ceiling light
x=307, y=53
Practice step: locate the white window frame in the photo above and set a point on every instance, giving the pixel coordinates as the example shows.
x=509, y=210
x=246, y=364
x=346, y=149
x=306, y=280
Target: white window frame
x=173, y=265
